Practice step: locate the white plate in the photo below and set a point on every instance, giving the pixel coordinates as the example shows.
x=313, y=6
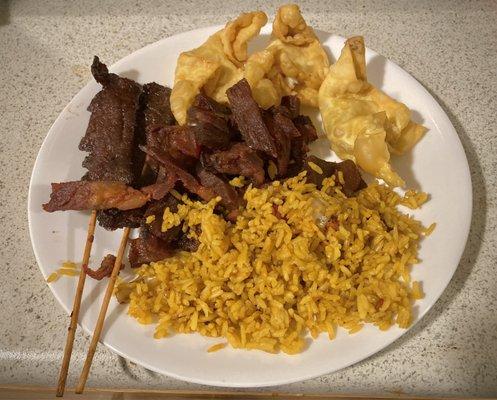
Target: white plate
x=438, y=165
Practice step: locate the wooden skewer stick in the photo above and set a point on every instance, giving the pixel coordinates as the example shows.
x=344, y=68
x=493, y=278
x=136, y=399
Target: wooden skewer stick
x=103, y=311
x=75, y=307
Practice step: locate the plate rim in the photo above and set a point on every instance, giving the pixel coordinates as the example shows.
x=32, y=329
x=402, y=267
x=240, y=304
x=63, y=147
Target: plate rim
x=437, y=108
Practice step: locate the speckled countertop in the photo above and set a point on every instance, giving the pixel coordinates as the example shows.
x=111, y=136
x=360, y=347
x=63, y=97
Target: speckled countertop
x=450, y=47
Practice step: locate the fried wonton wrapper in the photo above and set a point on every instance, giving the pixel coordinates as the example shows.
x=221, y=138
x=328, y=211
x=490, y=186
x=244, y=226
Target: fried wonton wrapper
x=215, y=66
x=294, y=62
x=363, y=123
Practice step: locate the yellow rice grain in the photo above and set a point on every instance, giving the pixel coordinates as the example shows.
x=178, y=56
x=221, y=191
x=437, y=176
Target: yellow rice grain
x=150, y=219
x=238, y=181
x=417, y=291
x=315, y=167
x=217, y=347
x=169, y=219
x=68, y=272
x=272, y=170
x=54, y=276
x=430, y=229
x=176, y=194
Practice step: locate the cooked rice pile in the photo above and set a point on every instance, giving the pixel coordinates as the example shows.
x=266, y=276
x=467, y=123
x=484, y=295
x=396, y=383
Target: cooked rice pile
x=297, y=260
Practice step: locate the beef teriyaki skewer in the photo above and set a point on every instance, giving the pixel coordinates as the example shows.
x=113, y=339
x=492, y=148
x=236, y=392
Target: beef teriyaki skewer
x=112, y=146
x=152, y=115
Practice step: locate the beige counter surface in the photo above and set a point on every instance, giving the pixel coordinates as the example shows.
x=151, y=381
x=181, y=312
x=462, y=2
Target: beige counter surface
x=450, y=47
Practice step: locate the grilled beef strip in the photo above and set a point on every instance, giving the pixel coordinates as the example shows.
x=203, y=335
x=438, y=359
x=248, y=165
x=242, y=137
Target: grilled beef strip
x=186, y=243
x=282, y=139
x=188, y=180
x=209, y=121
x=155, y=245
x=292, y=104
x=229, y=196
x=156, y=209
x=249, y=119
x=282, y=117
x=110, y=137
x=353, y=181
x=239, y=159
x=147, y=248
x=106, y=267
x=206, y=103
x=178, y=141
x=154, y=114
x=113, y=218
x=96, y=195
x=156, y=107
x=299, y=146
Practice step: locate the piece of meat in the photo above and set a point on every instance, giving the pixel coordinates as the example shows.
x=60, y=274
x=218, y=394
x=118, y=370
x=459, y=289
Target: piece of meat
x=282, y=118
x=352, y=178
x=239, y=159
x=189, y=182
x=178, y=141
x=146, y=249
x=106, y=267
x=298, y=152
x=182, y=139
x=351, y=175
x=94, y=195
x=292, y=104
x=249, y=120
x=306, y=128
x=299, y=147
x=282, y=139
x=229, y=196
x=150, y=171
x=211, y=121
x=156, y=209
x=110, y=137
x=207, y=103
x=233, y=127
x=157, y=191
x=332, y=224
x=312, y=176
x=276, y=212
x=186, y=243
x=211, y=129
x=174, y=236
x=113, y=218
x=155, y=113
x=156, y=107
x=162, y=174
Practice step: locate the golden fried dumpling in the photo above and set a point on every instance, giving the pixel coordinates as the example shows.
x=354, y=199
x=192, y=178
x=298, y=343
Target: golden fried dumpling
x=256, y=71
x=237, y=33
x=192, y=73
x=363, y=123
x=364, y=137
x=290, y=27
x=294, y=62
x=215, y=66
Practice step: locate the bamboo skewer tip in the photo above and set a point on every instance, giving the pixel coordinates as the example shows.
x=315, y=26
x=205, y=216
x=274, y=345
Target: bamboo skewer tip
x=103, y=311
x=71, y=331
